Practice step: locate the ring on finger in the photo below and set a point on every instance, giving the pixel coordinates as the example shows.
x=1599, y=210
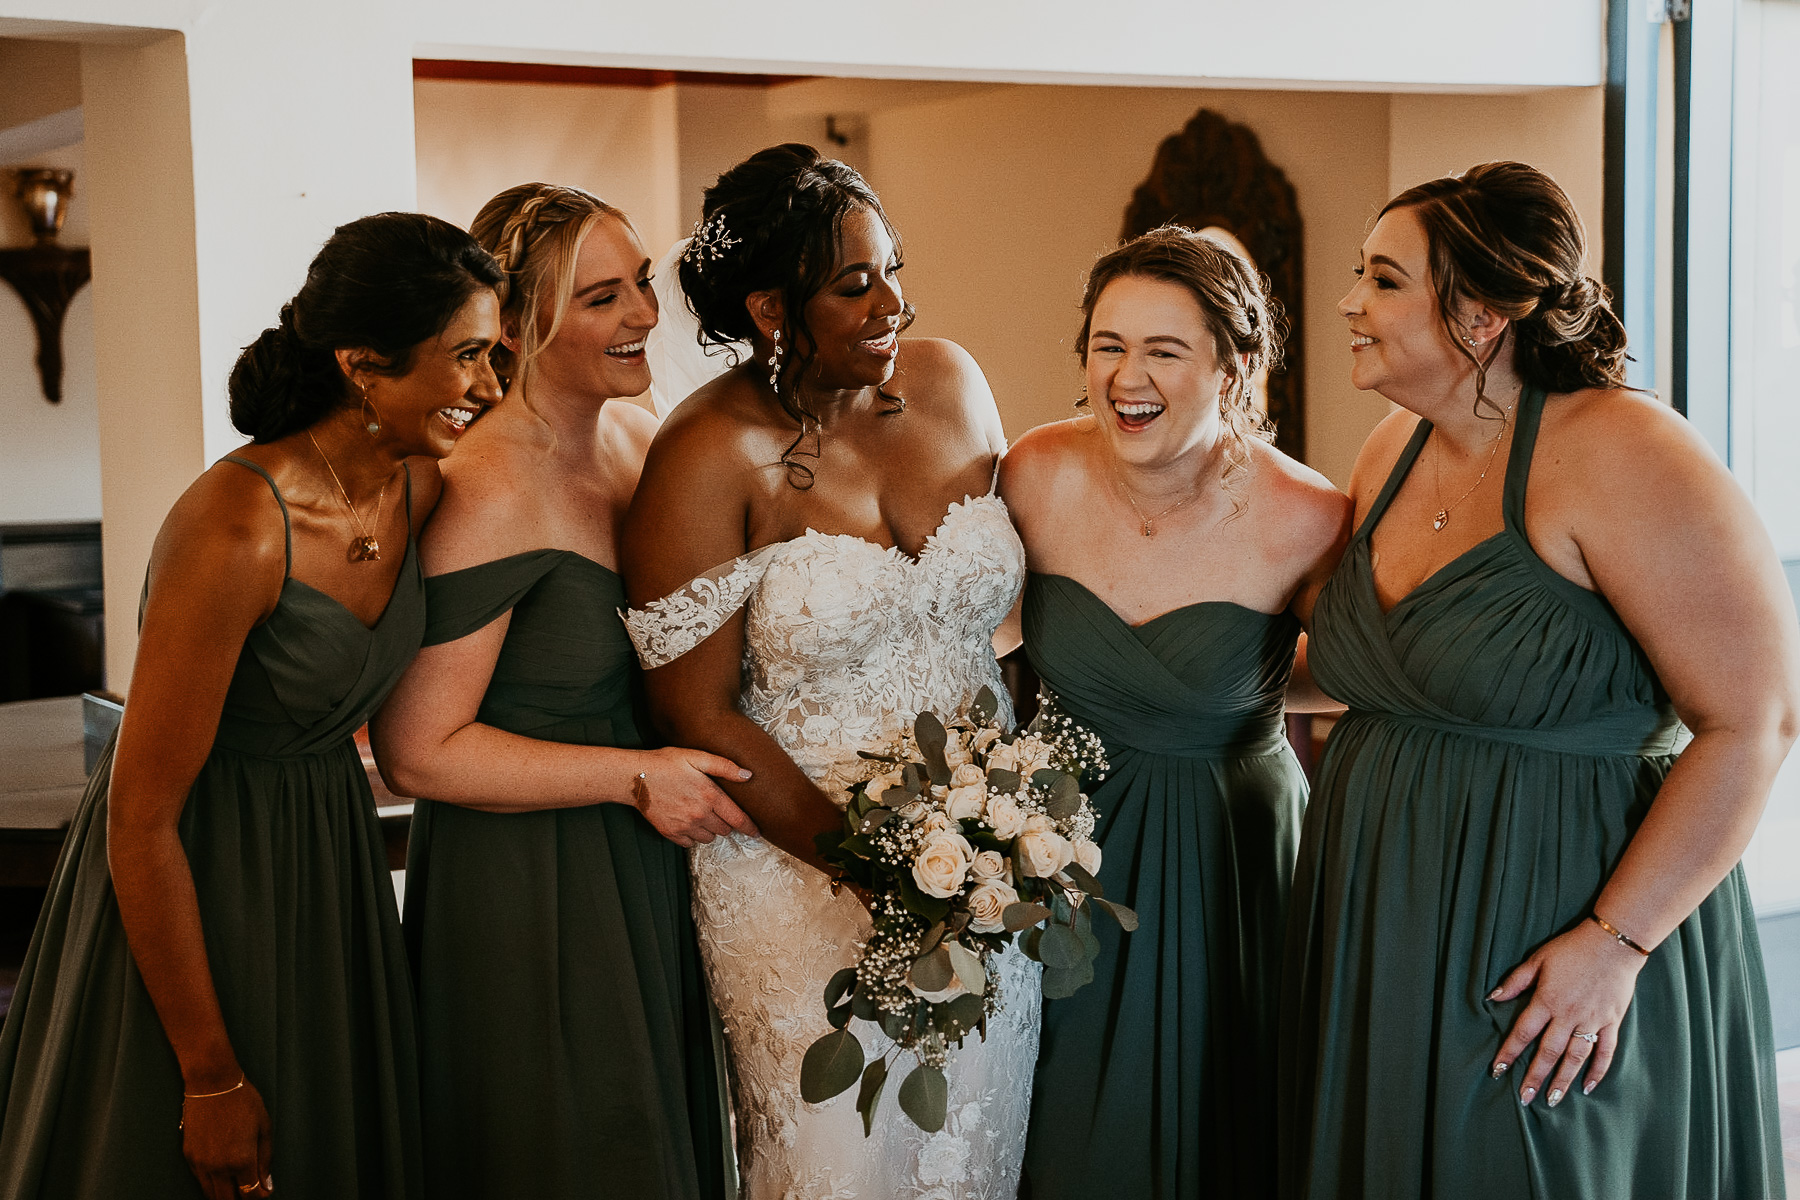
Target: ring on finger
x=1589, y=1038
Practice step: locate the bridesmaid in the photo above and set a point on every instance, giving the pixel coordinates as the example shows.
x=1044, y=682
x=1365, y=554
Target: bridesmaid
x=565, y=1037
x=1511, y=863
x=1173, y=555
x=217, y=988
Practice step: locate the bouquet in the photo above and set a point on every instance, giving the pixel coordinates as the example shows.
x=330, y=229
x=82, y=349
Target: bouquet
x=972, y=837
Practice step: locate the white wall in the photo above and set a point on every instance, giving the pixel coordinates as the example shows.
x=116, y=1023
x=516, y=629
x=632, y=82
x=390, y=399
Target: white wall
x=49, y=453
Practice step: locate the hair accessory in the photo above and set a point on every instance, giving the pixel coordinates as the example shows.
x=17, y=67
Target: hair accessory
x=775, y=365
x=709, y=242
x=1618, y=936
x=371, y=418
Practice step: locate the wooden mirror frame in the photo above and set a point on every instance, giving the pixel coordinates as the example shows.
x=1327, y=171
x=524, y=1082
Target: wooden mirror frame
x=1214, y=172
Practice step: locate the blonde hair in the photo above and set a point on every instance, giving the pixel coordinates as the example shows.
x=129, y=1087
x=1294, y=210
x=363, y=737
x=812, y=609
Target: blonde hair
x=535, y=232
x=1240, y=313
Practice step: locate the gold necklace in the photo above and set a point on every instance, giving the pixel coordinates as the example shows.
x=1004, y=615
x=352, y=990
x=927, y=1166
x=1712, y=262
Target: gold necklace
x=1149, y=523
x=363, y=548
x=1443, y=514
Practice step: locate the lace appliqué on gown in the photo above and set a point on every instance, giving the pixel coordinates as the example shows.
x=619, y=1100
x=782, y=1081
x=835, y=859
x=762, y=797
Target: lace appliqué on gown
x=845, y=643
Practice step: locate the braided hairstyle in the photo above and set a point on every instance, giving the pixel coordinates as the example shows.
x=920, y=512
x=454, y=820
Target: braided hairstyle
x=535, y=232
x=1504, y=235
x=1236, y=304
x=386, y=284
x=777, y=219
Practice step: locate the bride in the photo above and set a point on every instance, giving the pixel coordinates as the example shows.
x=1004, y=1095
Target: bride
x=819, y=554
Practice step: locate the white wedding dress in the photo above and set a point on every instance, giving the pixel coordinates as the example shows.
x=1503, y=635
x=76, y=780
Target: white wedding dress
x=845, y=642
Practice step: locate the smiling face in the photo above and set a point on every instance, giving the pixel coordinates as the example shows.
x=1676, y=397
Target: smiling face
x=598, y=348
x=448, y=384
x=1153, y=371
x=1397, y=339
x=856, y=316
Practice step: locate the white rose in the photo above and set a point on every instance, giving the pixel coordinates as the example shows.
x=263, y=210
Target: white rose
x=1033, y=755
x=938, y=821
x=879, y=785
x=986, y=737
x=943, y=864
x=1043, y=853
x=988, y=902
x=938, y=997
x=1005, y=815
x=966, y=774
x=965, y=802
x=1087, y=854
x=989, y=864
x=915, y=812
x=1003, y=757
x=956, y=753
x=1039, y=822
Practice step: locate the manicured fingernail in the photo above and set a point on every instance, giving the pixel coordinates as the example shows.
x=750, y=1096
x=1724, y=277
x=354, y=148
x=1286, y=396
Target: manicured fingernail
x=1495, y=994
x=1555, y=1097
x=1499, y=1070
x=1587, y=1089
x=269, y=1182
x=743, y=775
x=1526, y=1095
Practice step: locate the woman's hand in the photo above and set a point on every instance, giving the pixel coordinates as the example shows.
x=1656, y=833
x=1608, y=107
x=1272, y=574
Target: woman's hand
x=1584, y=983
x=225, y=1139
x=676, y=796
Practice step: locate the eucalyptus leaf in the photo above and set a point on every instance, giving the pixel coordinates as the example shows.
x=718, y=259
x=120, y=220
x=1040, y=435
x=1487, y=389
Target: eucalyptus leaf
x=930, y=733
x=1029, y=942
x=839, y=986
x=933, y=972
x=968, y=967
x=1084, y=879
x=1060, y=948
x=917, y=902
x=932, y=937
x=876, y=819
x=863, y=1006
x=1089, y=943
x=896, y=797
x=839, y=1017
x=912, y=778
x=1023, y=915
x=1061, y=983
x=1127, y=919
x=985, y=706
x=1045, y=777
x=961, y=1015
x=925, y=1097
x=874, y=1078
x=1003, y=779
x=895, y=1025
x=1065, y=798
x=831, y=1065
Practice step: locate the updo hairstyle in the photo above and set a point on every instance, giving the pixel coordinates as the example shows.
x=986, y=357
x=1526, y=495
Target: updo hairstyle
x=1243, y=317
x=1504, y=235
x=779, y=216
x=386, y=284
x=535, y=232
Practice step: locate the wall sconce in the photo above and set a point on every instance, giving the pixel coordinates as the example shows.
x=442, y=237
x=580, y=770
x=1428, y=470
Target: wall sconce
x=46, y=275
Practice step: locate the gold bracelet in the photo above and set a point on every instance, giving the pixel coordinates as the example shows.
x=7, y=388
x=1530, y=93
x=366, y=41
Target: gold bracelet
x=209, y=1095
x=1618, y=936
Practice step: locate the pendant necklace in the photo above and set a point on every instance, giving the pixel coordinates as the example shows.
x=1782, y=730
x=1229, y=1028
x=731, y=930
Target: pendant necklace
x=1442, y=518
x=1148, y=523
x=364, y=547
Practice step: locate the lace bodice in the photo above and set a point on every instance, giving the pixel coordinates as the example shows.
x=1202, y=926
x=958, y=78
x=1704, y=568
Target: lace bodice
x=845, y=642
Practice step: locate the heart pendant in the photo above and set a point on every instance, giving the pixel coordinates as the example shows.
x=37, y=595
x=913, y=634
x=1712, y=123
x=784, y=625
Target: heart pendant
x=364, y=549
x=1439, y=521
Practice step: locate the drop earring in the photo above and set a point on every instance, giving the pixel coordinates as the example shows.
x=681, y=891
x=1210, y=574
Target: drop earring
x=371, y=418
x=775, y=365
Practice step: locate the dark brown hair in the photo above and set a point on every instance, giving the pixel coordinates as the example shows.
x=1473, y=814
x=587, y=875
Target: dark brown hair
x=1243, y=318
x=1504, y=235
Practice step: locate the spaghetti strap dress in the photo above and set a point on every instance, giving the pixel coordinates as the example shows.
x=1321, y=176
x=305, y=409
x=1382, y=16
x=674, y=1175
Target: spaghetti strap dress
x=302, y=938
x=1155, y=1080
x=1506, y=736
x=565, y=1033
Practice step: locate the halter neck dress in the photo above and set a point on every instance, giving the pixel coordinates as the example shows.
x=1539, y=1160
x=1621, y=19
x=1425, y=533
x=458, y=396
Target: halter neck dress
x=1506, y=735
x=564, y=1029
x=302, y=937
x=1154, y=1080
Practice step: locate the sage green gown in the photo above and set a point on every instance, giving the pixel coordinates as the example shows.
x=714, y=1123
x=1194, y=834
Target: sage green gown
x=565, y=1034
x=1155, y=1080
x=302, y=936
x=1506, y=735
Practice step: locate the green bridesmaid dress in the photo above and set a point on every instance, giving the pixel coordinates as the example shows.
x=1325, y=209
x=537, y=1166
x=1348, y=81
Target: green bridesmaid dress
x=1155, y=1080
x=302, y=935
x=1506, y=735
x=565, y=1034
